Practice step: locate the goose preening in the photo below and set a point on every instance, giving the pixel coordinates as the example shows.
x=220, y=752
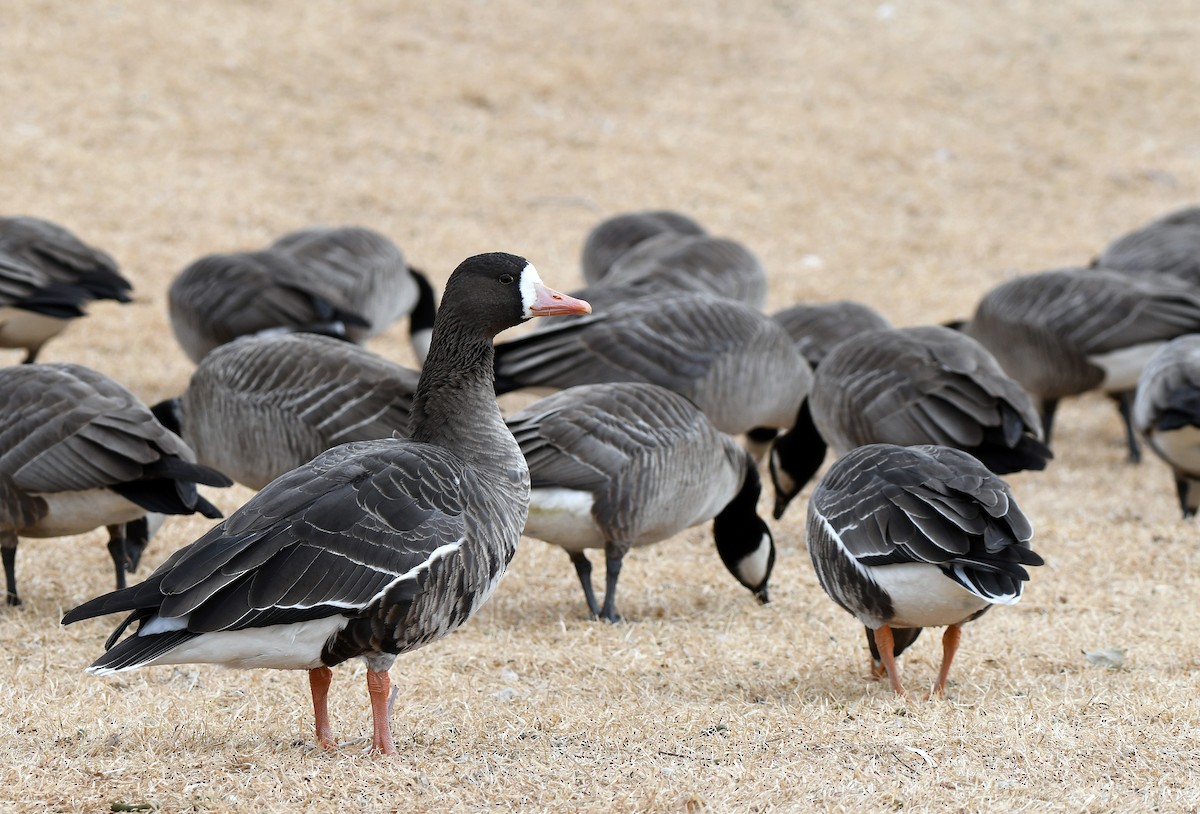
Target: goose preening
x=1166, y=411
x=614, y=236
x=816, y=328
x=78, y=451
x=921, y=385
x=1169, y=245
x=734, y=363
x=622, y=465
x=47, y=276
x=371, y=549
x=1065, y=332
x=262, y=405
x=905, y=538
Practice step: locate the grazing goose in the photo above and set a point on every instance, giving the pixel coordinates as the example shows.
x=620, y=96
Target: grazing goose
x=817, y=328
x=79, y=451
x=906, y=538
x=612, y=237
x=371, y=549
x=736, y=364
x=372, y=277
x=1166, y=411
x=47, y=276
x=223, y=296
x=1169, y=245
x=1065, y=332
x=262, y=405
x=616, y=466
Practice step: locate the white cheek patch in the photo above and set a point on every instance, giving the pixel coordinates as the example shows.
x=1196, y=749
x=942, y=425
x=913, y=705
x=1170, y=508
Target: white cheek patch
x=530, y=281
x=753, y=567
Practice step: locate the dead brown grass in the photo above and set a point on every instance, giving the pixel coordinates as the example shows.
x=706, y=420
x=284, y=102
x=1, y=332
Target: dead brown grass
x=909, y=154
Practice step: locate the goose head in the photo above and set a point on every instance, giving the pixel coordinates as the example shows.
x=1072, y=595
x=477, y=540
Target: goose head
x=743, y=539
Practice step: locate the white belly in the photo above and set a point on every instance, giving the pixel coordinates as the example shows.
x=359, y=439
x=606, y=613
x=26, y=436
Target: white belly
x=922, y=596
x=25, y=329
x=563, y=517
x=1180, y=448
x=282, y=647
x=1123, y=367
x=80, y=512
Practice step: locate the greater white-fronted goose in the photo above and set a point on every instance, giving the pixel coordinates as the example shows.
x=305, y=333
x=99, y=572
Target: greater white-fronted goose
x=223, y=296
x=1166, y=411
x=906, y=538
x=922, y=385
x=621, y=465
x=1169, y=245
x=78, y=451
x=373, y=548
x=262, y=405
x=47, y=276
x=816, y=328
x=1065, y=332
x=371, y=275
x=735, y=363
x=614, y=236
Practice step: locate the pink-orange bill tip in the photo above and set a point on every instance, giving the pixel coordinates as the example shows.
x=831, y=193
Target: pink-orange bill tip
x=549, y=303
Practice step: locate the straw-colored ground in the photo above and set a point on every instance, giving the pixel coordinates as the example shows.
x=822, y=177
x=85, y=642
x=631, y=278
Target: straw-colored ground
x=909, y=154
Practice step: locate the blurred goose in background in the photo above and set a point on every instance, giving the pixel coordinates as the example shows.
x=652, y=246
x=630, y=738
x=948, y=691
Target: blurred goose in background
x=1169, y=245
x=1166, y=411
x=905, y=538
x=817, y=328
x=1065, y=332
x=372, y=549
x=78, y=451
x=621, y=465
x=47, y=276
x=733, y=362
x=614, y=236
x=262, y=405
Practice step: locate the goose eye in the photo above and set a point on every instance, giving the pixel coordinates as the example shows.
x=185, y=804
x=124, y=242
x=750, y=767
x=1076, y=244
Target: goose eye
x=506, y=279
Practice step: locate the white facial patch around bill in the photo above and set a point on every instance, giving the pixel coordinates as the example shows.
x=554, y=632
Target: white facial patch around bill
x=531, y=281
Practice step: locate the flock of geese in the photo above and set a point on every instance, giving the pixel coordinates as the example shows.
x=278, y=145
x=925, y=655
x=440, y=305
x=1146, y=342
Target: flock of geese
x=390, y=501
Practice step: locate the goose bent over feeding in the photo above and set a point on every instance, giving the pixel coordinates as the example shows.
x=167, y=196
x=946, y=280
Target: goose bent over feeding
x=373, y=548
x=1065, y=332
x=1169, y=245
x=47, y=276
x=78, y=451
x=262, y=405
x=614, y=236
x=622, y=465
x=905, y=538
x=816, y=328
x=1166, y=411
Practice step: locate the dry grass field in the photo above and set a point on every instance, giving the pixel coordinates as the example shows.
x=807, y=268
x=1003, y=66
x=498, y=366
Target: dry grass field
x=908, y=153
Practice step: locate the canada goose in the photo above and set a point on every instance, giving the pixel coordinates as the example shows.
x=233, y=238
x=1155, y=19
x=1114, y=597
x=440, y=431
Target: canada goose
x=1166, y=411
x=1065, y=332
x=614, y=236
x=906, y=538
x=373, y=548
x=47, y=276
x=627, y=464
x=262, y=405
x=79, y=451
x=818, y=327
x=1169, y=245
x=372, y=277
x=922, y=385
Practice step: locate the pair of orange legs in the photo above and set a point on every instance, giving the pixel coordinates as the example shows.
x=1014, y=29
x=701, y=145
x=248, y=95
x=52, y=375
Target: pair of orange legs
x=378, y=685
x=887, y=655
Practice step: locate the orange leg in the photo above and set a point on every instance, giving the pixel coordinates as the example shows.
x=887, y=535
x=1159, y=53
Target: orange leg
x=318, y=683
x=378, y=684
x=949, y=648
x=887, y=645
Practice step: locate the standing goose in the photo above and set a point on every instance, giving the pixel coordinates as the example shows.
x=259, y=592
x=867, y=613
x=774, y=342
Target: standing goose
x=262, y=405
x=1166, y=411
x=1169, y=245
x=223, y=296
x=817, y=328
x=372, y=277
x=79, y=451
x=47, y=276
x=373, y=548
x=1062, y=333
x=906, y=538
x=621, y=465
x=614, y=236
x=734, y=363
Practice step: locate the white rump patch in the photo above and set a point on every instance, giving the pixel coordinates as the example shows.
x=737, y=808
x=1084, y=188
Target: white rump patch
x=563, y=517
x=1180, y=447
x=530, y=280
x=922, y=596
